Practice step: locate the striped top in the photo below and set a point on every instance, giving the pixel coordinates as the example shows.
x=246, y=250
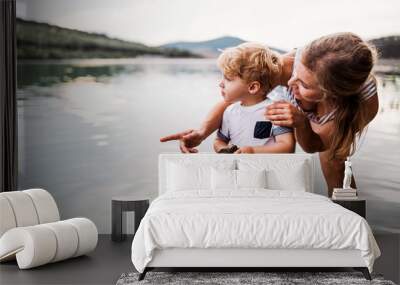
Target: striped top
x=368, y=90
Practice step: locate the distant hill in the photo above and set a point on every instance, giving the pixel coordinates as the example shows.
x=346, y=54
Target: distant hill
x=44, y=41
x=388, y=47
x=210, y=48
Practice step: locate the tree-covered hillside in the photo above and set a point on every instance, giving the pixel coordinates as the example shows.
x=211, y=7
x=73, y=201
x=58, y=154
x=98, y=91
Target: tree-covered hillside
x=211, y=48
x=45, y=41
x=388, y=47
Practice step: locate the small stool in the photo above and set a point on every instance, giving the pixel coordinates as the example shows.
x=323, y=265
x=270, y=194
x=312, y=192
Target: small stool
x=137, y=203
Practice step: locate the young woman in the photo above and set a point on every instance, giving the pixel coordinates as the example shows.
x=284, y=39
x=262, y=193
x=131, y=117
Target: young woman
x=332, y=96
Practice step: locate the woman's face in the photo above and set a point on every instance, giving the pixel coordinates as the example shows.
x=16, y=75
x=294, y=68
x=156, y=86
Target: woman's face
x=305, y=85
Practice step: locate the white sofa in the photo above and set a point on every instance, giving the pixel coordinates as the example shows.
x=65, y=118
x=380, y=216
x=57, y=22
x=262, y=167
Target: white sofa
x=31, y=231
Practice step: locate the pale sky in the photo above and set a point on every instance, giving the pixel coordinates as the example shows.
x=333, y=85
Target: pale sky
x=281, y=23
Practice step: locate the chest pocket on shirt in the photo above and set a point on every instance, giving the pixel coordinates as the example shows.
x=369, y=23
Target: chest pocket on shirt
x=262, y=129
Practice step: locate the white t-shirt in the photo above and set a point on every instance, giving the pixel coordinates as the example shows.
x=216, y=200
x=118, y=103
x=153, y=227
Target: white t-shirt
x=247, y=125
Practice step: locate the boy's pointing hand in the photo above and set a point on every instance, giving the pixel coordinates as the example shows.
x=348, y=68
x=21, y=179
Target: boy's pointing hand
x=188, y=140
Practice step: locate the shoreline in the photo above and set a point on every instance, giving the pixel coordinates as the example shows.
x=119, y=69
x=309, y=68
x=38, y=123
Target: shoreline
x=383, y=66
x=387, y=66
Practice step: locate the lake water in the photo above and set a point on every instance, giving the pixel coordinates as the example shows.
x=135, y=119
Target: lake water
x=90, y=129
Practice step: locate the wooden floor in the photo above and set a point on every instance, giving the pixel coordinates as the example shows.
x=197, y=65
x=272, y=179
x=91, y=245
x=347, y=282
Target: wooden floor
x=111, y=259
x=103, y=266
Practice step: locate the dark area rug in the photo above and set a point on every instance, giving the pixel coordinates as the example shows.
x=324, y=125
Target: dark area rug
x=243, y=278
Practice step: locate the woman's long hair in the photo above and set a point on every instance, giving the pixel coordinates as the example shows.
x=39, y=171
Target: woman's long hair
x=342, y=64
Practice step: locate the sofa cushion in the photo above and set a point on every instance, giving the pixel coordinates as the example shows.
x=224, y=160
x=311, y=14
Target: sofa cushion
x=41, y=244
x=251, y=178
x=24, y=209
x=227, y=179
x=7, y=215
x=223, y=179
x=46, y=207
x=282, y=174
x=186, y=174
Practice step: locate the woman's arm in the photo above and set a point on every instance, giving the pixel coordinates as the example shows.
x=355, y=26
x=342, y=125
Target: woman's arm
x=309, y=140
x=314, y=138
x=189, y=139
x=286, y=115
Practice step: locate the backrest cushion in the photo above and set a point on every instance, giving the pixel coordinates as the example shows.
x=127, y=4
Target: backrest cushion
x=190, y=172
x=178, y=172
x=223, y=179
x=231, y=180
x=26, y=208
x=45, y=205
x=7, y=219
x=251, y=179
x=183, y=177
x=290, y=173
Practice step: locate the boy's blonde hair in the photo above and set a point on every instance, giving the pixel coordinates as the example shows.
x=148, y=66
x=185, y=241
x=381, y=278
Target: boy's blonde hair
x=251, y=62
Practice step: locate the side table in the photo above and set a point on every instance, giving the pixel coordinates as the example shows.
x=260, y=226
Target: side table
x=357, y=206
x=119, y=204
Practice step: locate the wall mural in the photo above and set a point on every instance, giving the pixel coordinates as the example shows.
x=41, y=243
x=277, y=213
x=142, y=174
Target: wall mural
x=100, y=82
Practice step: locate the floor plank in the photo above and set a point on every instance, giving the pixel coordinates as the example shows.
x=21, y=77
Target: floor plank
x=111, y=259
x=102, y=266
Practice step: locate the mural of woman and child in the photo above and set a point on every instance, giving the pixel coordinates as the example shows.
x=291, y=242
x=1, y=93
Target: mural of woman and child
x=322, y=95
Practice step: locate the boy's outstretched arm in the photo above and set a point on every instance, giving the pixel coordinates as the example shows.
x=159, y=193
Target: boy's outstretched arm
x=189, y=139
x=214, y=119
x=284, y=143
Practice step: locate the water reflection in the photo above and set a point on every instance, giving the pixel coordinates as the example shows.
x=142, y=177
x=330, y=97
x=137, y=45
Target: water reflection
x=377, y=161
x=48, y=73
x=390, y=85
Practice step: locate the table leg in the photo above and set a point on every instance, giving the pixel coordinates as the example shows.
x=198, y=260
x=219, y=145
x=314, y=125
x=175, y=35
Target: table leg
x=116, y=217
x=140, y=211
